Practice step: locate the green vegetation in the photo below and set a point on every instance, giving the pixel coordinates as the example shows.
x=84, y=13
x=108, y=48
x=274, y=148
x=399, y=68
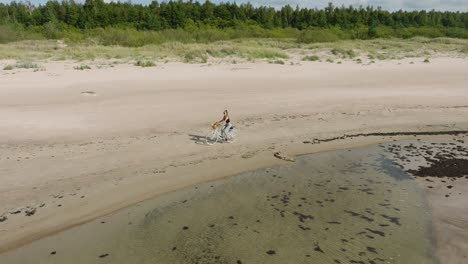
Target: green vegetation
x=27, y=65
x=315, y=35
x=23, y=65
x=344, y=53
x=311, y=58
x=281, y=62
x=240, y=50
x=82, y=67
x=196, y=56
x=145, y=63
x=135, y=25
x=426, y=61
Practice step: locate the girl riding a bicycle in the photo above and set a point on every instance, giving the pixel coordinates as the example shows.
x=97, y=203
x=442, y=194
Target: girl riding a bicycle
x=225, y=133
x=227, y=124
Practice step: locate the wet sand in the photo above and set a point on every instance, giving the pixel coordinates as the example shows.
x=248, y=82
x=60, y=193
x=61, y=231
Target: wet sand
x=75, y=146
x=441, y=167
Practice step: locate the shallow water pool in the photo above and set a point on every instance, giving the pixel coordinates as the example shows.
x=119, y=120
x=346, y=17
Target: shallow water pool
x=347, y=206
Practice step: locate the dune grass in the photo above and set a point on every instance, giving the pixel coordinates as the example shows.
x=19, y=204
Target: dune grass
x=82, y=67
x=23, y=64
x=238, y=50
x=27, y=65
x=311, y=58
x=145, y=64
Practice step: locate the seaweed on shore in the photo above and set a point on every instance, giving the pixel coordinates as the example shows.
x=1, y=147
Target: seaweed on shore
x=444, y=167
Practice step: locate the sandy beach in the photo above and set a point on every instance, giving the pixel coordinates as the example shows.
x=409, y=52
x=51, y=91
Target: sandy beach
x=77, y=145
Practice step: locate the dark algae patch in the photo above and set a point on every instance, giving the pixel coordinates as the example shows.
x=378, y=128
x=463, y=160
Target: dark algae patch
x=439, y=163
x=444, y=167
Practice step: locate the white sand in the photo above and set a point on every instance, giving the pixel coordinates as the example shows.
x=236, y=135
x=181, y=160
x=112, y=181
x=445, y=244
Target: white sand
x=116, y=136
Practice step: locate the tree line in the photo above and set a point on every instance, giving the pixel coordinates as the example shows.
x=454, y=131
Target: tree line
x=188, y=14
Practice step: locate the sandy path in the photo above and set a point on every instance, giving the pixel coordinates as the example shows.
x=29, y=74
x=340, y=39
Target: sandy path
x=85, y=143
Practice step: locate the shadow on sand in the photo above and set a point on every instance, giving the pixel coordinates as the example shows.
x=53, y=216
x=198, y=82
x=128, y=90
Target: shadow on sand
x=201, y=140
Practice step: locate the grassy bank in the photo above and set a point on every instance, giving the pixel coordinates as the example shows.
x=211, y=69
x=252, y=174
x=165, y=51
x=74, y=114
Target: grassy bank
x=234, y=51
x=130, y=37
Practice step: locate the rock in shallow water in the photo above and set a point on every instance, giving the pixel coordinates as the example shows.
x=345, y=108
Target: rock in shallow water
x=3, y=218
x=281, y=156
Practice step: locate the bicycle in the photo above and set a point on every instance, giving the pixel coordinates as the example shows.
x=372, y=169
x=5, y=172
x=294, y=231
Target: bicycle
x=216, y=134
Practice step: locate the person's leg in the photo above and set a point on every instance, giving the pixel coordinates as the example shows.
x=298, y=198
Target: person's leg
x=226, y=130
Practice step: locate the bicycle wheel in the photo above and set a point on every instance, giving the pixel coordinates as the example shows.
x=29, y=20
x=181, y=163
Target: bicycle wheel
x=212, y=137
x=231, y=135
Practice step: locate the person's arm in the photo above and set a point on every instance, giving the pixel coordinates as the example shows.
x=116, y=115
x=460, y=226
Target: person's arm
x=222, y=120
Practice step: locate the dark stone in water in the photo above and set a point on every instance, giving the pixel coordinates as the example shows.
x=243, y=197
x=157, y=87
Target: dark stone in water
x=367, y=191
x=303, y=217
x=394, y=220
x=104, y=255
x=317, y=248
x=238, y=262
x=368, y=219
x=377, y=232
x=334, y=223
x=3, y=218
x=352, y=213
x=53, y=252
x=185, y=228
x=271, y=252
x=372, y=250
